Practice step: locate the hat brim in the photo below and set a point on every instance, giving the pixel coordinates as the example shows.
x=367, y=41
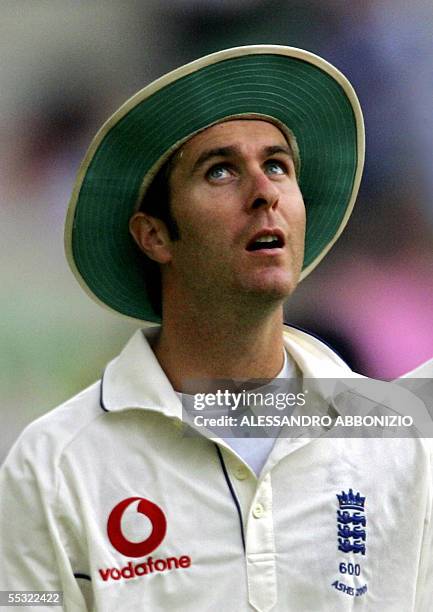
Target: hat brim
x=293, y=87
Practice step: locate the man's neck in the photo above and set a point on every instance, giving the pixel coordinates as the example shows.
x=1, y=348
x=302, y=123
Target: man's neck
x=224, y=345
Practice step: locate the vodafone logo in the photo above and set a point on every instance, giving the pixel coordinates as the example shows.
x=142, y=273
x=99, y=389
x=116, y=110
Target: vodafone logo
x=136, y=549
x=140, y=549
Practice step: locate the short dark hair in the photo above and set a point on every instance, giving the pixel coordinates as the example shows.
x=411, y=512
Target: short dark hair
x=156, y=200
x=156, y=203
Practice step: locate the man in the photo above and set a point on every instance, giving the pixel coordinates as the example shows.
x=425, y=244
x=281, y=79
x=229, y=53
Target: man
x=222, y=170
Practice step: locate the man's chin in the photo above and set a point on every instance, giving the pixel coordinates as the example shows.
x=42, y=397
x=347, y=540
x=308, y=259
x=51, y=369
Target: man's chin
x=272, y=289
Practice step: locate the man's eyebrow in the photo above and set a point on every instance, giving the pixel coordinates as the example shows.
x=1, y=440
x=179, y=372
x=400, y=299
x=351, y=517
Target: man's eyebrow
x=279, y=149
x=209, y=153
x=229, y=151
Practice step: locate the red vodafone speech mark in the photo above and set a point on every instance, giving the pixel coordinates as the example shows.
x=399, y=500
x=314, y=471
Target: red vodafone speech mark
x=136, y=549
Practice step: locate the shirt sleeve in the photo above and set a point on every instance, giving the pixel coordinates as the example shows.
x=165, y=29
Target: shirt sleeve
x=424, y=597
x=32, y=553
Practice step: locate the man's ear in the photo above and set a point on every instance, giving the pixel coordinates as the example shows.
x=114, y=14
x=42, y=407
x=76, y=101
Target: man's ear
x=152, y=236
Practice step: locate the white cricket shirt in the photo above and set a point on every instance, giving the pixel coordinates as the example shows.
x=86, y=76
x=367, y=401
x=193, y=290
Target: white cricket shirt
x=107, y=499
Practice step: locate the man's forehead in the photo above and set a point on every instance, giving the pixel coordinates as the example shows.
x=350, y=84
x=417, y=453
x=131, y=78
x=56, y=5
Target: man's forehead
x=236, y=131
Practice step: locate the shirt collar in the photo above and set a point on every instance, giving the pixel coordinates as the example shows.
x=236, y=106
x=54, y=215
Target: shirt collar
x=135, y=378
x=331, y=379
x=320, y=366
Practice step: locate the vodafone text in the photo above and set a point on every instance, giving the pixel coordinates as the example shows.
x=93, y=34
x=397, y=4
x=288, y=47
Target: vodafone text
x=147, y=567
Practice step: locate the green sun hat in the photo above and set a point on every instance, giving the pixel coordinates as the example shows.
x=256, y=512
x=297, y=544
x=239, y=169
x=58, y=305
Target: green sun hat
x=287, y=86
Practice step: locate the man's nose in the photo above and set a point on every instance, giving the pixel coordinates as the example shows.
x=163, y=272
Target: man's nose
x=264, y=192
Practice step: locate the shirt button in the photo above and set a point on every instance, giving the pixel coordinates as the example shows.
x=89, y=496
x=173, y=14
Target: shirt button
x=241, y=472
x=258, y=511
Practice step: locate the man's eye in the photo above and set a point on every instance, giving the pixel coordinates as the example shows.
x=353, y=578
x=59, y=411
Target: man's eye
x=276, y=167
x=218, y=172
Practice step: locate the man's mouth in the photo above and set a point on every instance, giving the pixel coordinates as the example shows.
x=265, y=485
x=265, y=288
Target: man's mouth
x=273, y=239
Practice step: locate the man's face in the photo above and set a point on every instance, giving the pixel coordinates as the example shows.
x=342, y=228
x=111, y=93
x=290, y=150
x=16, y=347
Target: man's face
x=240, y=213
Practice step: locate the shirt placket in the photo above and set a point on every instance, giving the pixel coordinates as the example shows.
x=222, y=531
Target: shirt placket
x=255, y=497
x=256, y=501
x=260, y=549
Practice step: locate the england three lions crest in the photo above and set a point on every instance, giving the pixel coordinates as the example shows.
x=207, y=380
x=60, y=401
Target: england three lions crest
x=351, y=523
